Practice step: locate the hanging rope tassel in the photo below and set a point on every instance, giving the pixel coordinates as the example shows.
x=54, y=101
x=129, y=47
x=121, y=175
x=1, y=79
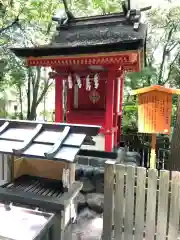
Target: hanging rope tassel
x=70, y=84
x=78, y=79
x=96, y=81
x=88, y=83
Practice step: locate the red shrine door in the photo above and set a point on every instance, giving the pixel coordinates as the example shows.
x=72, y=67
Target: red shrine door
x=96, y=105
x=90, y=100
x=86, y=106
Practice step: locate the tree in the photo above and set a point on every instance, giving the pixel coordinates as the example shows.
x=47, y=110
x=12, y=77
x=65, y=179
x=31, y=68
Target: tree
x=94, y=7
x=23, y=24
x=31, y=86
x=29, y=23
x=38, y=85
x=173, y=162
x=163, y=45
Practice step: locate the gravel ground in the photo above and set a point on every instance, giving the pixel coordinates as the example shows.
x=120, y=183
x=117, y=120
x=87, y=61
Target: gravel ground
x=88, y=227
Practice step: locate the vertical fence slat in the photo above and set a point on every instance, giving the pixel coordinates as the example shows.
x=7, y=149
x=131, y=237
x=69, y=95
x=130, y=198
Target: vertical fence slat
x=162, y=205
x=108, y=200
x=140, y=203
x=119, y=201
x=151, y=204
x=166, y=211
x=174, y=207
x=7, y=167
x=129, y=204
x=1, y=167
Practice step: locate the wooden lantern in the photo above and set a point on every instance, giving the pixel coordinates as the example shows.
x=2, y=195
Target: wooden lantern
x=154, y=112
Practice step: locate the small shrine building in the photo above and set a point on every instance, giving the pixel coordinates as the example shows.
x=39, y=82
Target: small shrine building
x=89, y=57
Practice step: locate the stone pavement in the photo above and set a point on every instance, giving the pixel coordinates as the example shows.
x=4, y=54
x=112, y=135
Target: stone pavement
x=88, y=227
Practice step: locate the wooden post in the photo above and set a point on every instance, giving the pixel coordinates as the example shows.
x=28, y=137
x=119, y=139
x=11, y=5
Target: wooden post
x=151, y=204
x=108, y=200
x=140, y=203
x=129, y=202
x=72, y=168
x=174, y=206
x=163, y=207
x=119, y=202
x=7, y=167
x=153, y=152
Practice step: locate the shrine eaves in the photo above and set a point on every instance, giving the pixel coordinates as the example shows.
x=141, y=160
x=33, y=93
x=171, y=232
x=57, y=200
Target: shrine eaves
x=88, y=35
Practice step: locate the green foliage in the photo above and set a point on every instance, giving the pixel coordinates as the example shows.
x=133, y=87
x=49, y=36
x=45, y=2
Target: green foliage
x=141, y=79
x=129, y=122
x=36, y=13
x=94, y=7
x=163, y=53
x=163, y=45
x=24, y=23
x=3, y=113
x=47, y=115
x=164, y=17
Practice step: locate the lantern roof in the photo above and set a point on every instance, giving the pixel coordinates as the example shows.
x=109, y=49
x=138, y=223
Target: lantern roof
x=157, y=88
x=92, y=35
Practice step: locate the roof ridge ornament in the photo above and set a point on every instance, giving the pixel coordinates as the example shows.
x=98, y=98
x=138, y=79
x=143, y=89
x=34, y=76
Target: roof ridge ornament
x=133, y=15
x=68, y=12
x=64, y=16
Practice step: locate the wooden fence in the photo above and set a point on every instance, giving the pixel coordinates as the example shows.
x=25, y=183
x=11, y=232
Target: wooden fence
x=140, y=204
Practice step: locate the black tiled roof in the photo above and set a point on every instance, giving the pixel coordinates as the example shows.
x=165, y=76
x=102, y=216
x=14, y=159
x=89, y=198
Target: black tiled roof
x=91, y=35
x=43, y=140
x=79, y=36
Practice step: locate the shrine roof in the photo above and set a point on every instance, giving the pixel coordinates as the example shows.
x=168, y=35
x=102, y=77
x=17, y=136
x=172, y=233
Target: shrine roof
x=155, y=88
x=91, y=35
x=52, y=141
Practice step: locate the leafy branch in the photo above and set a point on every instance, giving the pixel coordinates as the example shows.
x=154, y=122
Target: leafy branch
x=15, y=22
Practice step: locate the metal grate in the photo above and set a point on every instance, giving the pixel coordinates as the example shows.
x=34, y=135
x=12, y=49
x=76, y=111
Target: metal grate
x=37, y=185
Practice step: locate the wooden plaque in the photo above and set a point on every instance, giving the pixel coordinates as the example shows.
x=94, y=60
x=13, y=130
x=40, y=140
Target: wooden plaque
x=154, y=112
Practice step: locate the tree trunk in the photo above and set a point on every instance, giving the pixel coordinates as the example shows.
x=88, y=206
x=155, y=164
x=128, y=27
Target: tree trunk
x=32, y=115
x=160, y=77
x=21, y=103
x=174, y=162
x=36, y=92
x=29, y=94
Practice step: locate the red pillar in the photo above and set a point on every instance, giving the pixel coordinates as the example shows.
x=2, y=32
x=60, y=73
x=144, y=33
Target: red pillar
x=59, y=113
x=109, y=139
x=69, y=103
x=115, y=118
x=121, y=106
